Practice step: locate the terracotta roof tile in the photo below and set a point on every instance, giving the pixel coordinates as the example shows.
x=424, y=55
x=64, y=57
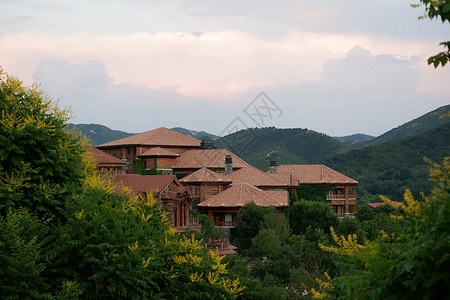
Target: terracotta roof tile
x=156, y=137
x=255, y=177
x=305, y=174
x=377, y=204
x=208, y=158
x=142, y=184
x=205, y=175
x=243, y=193
x=104, y=159
x=158, y=151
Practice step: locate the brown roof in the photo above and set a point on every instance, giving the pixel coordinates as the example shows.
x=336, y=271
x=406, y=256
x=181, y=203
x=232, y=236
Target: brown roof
x=243, y=193
x=205, y=175
x=158, y=151
x=104, y=159
x=141, y=184
x=156, y=137
x=377, y=204
x=305, y=174
x=255, y=177
x=208, y=158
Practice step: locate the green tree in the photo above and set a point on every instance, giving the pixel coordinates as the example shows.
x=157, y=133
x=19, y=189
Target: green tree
x=318, y=215
x=439, y=9
x=414, y=264
x=40, y=162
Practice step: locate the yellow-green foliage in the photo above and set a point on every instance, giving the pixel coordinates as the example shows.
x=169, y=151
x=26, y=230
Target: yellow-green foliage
x=411, y=264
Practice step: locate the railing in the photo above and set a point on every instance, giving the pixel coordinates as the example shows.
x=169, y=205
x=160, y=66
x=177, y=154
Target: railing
x=213, y=244
x=225, y=223
x=193, y=221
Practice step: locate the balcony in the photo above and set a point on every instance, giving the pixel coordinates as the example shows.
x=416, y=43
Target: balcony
x=226, y=224
x=193, y=224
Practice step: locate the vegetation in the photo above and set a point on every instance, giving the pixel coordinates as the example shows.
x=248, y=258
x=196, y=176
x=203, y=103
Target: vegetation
x=390, y=168
x=65, y=233
x=439, y=9
x=288, y=146
x=98, y=134
x=410, y=263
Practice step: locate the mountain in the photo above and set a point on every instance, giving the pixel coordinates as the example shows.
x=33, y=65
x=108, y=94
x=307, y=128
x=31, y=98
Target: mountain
x=354, y=140
x=390, y=168
x=99, y=134
x=287, y=146
x=421, y=124
x=196, y=134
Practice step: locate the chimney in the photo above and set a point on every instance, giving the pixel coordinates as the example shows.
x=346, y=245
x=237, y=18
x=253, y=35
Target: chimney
x=272, y=165
x=207, y=144
x=228, y=164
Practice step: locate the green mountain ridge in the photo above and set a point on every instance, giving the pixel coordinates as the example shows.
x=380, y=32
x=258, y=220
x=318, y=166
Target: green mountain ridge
x=391, y=167
x=196, y=134
x=99, y=134
x=421, y=124
x=287, y=146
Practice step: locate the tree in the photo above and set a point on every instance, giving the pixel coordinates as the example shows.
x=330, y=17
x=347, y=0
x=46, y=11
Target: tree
x=40, y=162
x=318, y=215
x=438, y=9
x=414, y=264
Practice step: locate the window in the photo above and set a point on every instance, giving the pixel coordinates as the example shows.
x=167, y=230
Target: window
x=190, y=189
x=197, y=190
x=350, y=191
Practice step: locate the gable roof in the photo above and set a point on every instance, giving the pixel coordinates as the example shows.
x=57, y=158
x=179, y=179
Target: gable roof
x=205, y=175
x=158, y=151
x=255, y=177
x=208, y=158
x=311, y=174
x=104, y=159
x=156, y=137
x=244, y=193
x=141, y=184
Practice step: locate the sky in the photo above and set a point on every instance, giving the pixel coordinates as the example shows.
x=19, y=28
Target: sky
x=336, y=67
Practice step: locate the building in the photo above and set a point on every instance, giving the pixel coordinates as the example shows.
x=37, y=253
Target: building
x=223, y=208
x=168, y=191
x=341, y=197
x=130, y=148
x=107, y=163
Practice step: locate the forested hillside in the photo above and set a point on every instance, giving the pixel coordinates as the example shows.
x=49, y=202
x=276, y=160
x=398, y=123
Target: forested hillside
x=421, y=124
x=287, y=146
x=389, y=168
x=99, y=134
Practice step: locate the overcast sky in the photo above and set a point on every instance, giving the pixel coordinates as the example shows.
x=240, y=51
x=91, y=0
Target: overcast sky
x=337, y=67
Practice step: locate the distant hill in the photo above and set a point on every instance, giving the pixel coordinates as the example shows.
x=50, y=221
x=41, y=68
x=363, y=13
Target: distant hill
x=391, y=167
x=421, y=124
x=287, y=146
x=99, y=134
x=354, y=140
x=196, y=134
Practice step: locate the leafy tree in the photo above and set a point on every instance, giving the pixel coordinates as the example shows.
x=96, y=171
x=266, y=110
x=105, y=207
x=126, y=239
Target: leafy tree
x=437, y=9
x=318, y=215
x=414, y=264
x=40, y=162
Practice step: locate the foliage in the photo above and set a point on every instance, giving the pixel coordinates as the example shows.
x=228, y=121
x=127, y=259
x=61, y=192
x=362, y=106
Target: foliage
x=98, y=134
x=40, y=162
x=412, y=264
x=288, y=146
x=312, y=192
x=139, y=169
x=66, y=233
x=209, y=230
x=437, y=9
x=392, y=167
x=303, y=214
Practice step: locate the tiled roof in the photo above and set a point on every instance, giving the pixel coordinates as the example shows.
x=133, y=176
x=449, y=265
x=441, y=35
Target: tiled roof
x=255, y=177
x=158, y=151
x=141, y=184
x=104, y=159
x=377, y=204
x=305, y=174
x=156, y=137
x=243, y=193
x=205, y=175
x=208, y=158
